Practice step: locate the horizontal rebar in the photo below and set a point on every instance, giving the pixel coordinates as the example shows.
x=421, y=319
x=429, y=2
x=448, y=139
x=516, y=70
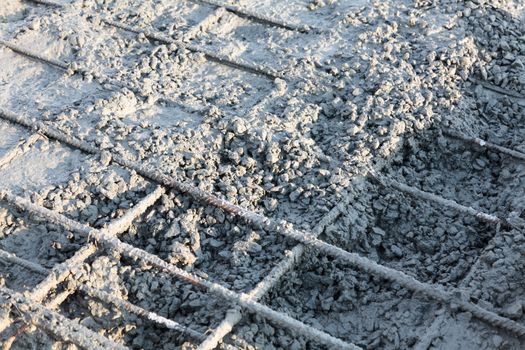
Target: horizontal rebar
x=56, y=324
x=484, y=144
x=489, y=218
x=112, y=243
x=292, y=258
x=104, y=297
x=283, y=228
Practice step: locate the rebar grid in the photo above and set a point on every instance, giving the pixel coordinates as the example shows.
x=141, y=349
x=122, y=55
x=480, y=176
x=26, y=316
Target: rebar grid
x=282, y=227
x=56, y=324
x=52, y=304
x=488, y=218
x=102, y=79
x=60, y=272
x=19, y=149
x=482, y=143
x=210, y=55
x=103, y=296
x=113, y=244
x=292, y=258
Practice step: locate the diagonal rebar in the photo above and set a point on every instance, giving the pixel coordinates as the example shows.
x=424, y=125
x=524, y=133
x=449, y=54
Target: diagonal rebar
x=61, y=271
x=453, y=297
x=485, y=144
x=497, y=89
x=56, y=324
x=258, y=17
x=104, y=297
x=210, y=55
x=121, y=224
x=106, y=82
x=284, y=228
x=415, y=192
x=112, y=243
x=26, y=52
x=52, y=304
x=292, y=258
x=19, y=149
x=239, y=11
x=204, y=25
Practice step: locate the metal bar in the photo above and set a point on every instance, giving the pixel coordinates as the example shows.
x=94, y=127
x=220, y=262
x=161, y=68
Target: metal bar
x=489, y=218
x=59, y=273
x=123, y=223
x=62, y=65
x=203, y=25
x=35, y=55
x=102, y=79
x=51, y=305
x=112, y=243
x=241, y=299
x=257, y=17
x=19, y=149
x=212, y=56
x=484, y=144
x=46, y=2
x=54, y=323
x=292, y=258
x=497, y=89
x=103, y=296
x=437, y=292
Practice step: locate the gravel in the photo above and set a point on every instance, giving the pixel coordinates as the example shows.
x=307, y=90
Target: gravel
x=371, y=86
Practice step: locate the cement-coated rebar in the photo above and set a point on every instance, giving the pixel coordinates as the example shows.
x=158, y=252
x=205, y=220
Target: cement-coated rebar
x=103, y=296
x=256, y=17
x=19, y=149
x=497, y=89
x=415, y=192
x=293, y=257
x=56, y=324
x=482, y=143
x=210, y=55
x=285, y=229
x=113, y=244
